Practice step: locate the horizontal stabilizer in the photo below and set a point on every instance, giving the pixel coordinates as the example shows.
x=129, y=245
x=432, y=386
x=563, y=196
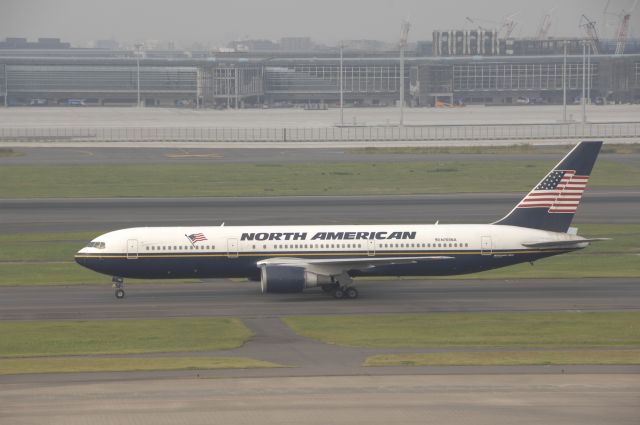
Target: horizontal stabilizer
x=562, y=243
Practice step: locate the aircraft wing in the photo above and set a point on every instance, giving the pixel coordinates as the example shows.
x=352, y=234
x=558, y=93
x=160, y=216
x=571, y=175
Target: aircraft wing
x=332, y=266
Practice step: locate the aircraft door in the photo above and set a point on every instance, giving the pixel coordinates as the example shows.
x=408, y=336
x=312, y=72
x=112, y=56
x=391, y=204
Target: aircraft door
x=371, y=248
x=486, y=245
x=232, y=248
x=132, y=249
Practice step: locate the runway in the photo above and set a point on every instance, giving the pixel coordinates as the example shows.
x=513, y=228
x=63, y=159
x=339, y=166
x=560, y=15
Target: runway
x=243, y=299
x=67, y=215
x=479, y=400
x=89, y=154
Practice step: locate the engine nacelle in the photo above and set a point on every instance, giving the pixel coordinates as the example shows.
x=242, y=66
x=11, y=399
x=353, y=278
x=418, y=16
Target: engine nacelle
x=290, y=279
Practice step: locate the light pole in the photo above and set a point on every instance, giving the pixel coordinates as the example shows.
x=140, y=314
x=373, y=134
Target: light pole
x=584, y=82
x=564, y=84
x=404, y=33
x=341, y=84
x=138, y=46
x=6, y=87
x=589, y=75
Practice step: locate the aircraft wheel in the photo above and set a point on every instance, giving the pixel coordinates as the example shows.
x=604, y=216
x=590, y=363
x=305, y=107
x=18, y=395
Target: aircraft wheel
x=119, y=294
x=351, y=293
x=338, y=294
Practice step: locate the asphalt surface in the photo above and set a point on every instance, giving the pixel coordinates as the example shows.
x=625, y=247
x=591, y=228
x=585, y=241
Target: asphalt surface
x=118, y=155
x=479, y=400
x=91, y=155
x=243, y=299
x=118, y=117
x=67, y=215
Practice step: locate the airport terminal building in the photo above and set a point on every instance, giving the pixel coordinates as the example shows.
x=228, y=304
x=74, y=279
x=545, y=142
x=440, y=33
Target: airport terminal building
x=436, y=73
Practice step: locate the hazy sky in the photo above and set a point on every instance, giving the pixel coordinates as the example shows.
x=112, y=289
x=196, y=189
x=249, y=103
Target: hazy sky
x=327, y=21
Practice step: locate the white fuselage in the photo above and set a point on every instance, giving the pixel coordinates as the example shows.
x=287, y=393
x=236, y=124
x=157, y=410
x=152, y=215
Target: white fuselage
x=235, y=251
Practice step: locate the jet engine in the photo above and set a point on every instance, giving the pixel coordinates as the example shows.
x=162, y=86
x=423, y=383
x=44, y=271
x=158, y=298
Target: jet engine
x=290, y=279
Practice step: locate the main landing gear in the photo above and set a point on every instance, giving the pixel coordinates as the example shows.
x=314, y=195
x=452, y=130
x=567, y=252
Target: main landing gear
x=341, y=288
x=349, y=292
x=118, y=283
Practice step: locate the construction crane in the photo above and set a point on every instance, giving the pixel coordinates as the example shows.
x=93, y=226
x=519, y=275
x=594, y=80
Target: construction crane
x=506, y=25
x=623, y=29
x=589, y=28
x=478, y=26
x=545, y=24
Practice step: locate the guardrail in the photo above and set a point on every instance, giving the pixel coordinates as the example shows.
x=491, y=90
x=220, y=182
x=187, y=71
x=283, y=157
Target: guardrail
x=322, y=134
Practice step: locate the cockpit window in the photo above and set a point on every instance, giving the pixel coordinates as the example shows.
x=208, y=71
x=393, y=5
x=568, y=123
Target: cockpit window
x=97, y=245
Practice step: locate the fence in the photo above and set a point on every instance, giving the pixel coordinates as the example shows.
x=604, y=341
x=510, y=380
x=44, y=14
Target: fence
x=327, y=134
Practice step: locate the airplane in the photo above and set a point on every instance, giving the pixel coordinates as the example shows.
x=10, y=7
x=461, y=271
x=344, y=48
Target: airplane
x=290, y=259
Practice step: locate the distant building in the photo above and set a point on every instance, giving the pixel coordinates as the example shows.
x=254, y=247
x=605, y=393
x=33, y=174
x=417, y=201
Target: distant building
x=365, y=45
x=107, y=44
x=42, y=43
x=424, y=48
x=253, y=46
x=296, y=44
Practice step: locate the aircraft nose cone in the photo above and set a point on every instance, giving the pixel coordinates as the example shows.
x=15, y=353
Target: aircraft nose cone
x=80, y=259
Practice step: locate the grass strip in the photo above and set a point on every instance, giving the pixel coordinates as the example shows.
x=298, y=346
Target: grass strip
x=545, y=330
x=63, y=273
x=509, y=358
x=8, y=152
x=57, y=338
x=126, y=364
x=103, y=181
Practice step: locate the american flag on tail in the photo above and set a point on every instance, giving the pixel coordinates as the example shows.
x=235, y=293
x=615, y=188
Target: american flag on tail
x=196, y=237
x=560, y=192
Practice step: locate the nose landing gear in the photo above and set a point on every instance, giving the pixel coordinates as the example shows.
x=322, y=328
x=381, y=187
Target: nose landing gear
x=118, y=283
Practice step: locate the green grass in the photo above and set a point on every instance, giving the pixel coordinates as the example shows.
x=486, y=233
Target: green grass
x=33, y=181
x=619, y=257
x=8, y=152
x=42, y=246
x=47, y=259
x=58, y=338
x=548, y=330
x=509, y=358
x=125, y=364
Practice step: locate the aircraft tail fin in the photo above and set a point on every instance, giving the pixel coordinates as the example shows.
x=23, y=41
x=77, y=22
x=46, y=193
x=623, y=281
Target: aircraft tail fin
x=552, y=203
